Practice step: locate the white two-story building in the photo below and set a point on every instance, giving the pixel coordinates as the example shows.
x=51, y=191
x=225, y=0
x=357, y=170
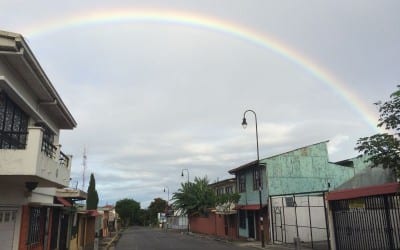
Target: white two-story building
x=32, y=115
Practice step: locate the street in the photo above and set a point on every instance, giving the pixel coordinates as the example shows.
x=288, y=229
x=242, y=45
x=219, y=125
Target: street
x=142, y=238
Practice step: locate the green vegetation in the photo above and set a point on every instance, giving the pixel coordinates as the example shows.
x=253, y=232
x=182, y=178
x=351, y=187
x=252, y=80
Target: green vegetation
x=197, y=198
x=92, y=197
x=158, y=205
x=383, y=149
x=129, y=211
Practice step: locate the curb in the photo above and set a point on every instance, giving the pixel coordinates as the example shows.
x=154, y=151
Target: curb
x=113, y=240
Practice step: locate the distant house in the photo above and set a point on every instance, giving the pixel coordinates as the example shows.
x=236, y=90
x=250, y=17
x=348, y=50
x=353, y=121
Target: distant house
x=72, y=228
x=221, y=221
x=32, y=114
x=86, y=234
x=109, y=220
x=287, y=180
x=177, y=219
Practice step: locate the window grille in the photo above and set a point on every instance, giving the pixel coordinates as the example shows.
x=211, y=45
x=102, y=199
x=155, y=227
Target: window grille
x=47, y=142
x=13, y=124
x=242, y=219
x=34, y=225
x=242, y=183
x=257, y=179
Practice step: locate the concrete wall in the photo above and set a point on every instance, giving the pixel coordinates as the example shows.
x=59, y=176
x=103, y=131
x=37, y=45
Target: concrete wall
x=32, y=161
x=214, y=224
x=204, y=225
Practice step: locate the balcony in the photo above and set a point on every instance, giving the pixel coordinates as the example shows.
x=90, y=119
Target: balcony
x=38, y=161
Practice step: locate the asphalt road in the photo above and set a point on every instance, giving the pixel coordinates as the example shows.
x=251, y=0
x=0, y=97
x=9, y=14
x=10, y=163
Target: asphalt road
x=142, y=238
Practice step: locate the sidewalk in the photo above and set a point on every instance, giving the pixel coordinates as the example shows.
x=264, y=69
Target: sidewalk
x=108, y=243
x=257, y=245
x=253, y=244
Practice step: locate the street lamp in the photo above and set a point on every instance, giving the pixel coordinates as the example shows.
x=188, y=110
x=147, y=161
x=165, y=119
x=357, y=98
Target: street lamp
x=187, y=170
x=167, y=208
x=168, y=194
x=244, y=124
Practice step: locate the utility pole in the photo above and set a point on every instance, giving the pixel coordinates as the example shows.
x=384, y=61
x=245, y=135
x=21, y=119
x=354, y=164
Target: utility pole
x=84, y=168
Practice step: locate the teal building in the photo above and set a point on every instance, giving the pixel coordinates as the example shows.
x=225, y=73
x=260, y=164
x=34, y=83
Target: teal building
x=302, y=170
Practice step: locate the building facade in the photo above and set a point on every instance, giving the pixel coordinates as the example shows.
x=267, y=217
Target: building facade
x=221, y=221
x=303, y=170
x=32, y=115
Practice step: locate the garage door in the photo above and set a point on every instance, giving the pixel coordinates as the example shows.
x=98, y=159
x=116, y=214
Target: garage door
x=7, y=224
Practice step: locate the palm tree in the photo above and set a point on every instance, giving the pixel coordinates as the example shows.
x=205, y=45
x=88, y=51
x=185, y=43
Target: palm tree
x=195, y=198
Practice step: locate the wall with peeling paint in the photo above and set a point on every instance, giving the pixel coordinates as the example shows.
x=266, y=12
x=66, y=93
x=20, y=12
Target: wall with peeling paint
x=305, y=169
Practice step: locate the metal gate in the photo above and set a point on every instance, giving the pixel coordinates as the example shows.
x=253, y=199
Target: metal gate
x=300, y=215
x=371, y=222
x=7, y=225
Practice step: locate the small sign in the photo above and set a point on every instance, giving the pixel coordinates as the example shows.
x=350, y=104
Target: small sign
x=290, y=202
x=356, y=203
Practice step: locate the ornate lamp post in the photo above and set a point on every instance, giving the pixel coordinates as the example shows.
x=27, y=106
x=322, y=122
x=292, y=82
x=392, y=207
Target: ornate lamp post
x=244, y=124
x=167, y=208
x=166, y=187
x=187, y=170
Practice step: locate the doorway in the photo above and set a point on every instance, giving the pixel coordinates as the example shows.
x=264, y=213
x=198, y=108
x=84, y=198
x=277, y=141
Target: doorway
x=250, y=220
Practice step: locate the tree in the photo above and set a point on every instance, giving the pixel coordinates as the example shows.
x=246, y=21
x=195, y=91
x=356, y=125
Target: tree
x=383, y=149
x=128, y=210
x=226, y=200
x=144, y=217
x=92, y=197
x=158, y=205
x=195, y=198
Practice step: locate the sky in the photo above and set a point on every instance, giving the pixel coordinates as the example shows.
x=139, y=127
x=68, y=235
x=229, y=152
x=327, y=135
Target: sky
x=161, y=86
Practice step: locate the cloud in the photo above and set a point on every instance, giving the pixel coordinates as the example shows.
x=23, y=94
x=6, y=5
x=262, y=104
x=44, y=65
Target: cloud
x=152, y=98
x=336, y=142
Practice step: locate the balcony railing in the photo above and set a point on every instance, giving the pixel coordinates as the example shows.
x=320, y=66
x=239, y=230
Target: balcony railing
x=50, y=151
x=12, y=140
x=39, y=158
x=64, y=160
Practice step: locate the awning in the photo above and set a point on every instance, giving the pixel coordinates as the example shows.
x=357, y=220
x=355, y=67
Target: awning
x=64, y=201
x=249, y=207
x=93, y=213
x=43, y=204
x=345, y=194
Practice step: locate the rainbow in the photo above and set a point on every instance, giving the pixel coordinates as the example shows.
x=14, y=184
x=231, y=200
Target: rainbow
x=217, y=25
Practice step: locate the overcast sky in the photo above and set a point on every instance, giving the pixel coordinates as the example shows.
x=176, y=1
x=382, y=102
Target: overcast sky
x=153, y=96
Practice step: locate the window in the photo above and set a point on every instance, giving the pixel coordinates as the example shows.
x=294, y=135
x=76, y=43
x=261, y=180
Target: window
x=220, y=191
x=229, y=189
x=47, y=143
x=290, y=202
x=13, y=124
x=242, y=183
x=242, y=219
x=35, y=225
x=257, y=182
